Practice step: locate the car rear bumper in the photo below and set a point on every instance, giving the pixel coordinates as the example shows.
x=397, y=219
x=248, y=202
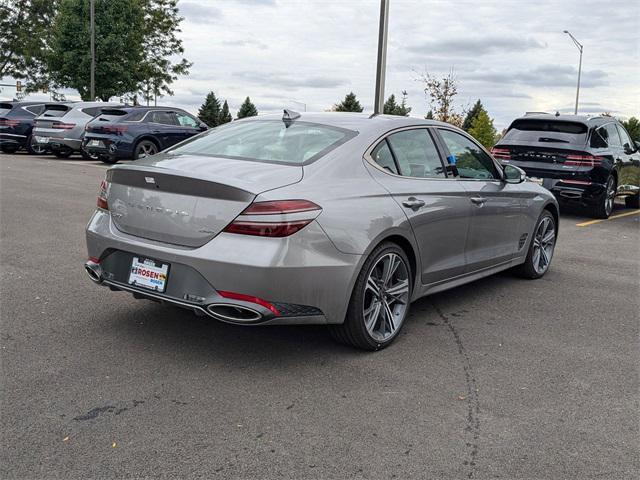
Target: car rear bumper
x=575, y=192
x=304, y=276
x=13, y=139
x=112, y=148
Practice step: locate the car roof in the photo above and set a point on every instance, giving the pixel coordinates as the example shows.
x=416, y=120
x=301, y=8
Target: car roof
x=360, y=122
x=585, y=119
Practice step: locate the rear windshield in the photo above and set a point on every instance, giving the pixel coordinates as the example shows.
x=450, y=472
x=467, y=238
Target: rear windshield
x=5, y=108
x=547, y=131
x=55, y=110
x=111, y=114
x=268, y=141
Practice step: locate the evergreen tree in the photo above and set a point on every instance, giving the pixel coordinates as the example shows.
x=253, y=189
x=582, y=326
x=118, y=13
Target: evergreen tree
x=225, y=116
x=429, y=115
x=349, y=104
x=482, y=129
x=209, y=112
x=471, y=115
x=247, y=109
x=390, y=106
x=632, y=126
x=403, y=109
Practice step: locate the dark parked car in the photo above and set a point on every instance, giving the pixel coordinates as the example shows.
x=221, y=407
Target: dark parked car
x=16, y=125
x=136, y=132
x=582, y=160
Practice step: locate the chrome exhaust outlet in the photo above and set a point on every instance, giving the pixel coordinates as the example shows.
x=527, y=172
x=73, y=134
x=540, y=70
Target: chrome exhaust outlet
x=94, y=271
x=233, y=313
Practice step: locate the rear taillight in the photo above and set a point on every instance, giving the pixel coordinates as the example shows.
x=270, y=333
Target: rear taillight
x=279, y=218
x=583, y=161
x=501, y=153
x=5, y=122
x=102, y=195
x=117, y=129
x=63, y=125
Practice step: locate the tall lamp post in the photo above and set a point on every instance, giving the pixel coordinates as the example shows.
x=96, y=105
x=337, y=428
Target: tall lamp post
x=579, y=45
x=92, y=27
x=381, y=66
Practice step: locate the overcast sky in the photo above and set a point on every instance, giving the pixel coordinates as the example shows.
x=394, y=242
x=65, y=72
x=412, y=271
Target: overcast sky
x=510, y=54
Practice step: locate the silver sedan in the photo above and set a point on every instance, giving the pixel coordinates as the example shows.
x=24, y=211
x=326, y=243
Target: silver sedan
x=329, y=218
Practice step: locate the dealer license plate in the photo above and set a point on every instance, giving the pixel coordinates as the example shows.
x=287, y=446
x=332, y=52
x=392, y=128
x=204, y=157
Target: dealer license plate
x=42, y=139
x=94, y=143
x=149, y=273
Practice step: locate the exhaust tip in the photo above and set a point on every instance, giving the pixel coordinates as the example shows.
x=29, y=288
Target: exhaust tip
x=233, y=313
x=94, y=271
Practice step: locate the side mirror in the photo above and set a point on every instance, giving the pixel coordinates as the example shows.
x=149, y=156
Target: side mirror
x=203, y=127
x=513, y=174
x=628, y=149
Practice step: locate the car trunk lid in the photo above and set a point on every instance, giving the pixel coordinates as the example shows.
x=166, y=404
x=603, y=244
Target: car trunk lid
x=188, y=200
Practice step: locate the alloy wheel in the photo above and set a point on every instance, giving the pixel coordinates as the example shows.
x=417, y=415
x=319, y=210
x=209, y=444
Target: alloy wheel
x=386, y=297
x=609, y=196
x=146, y=149
x=544, y=241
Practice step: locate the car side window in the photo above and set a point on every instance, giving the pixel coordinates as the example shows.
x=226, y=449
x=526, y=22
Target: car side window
x=613, y=139
x=416, y=154
x=470, y=160
x=599, y=138
x=383, y=157
x=624, y=136
x=164, y=118
x=186, y=121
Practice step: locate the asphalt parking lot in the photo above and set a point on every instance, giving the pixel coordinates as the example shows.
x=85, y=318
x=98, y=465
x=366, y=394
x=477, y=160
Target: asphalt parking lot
x=502, y=378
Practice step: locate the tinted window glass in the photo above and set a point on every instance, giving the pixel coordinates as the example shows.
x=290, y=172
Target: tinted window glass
x=92, y=111
x=471, y=161
x=35, y=109
x=546, y=131
x=5, y=108
x=624, y=136
x=185, y=120
x=164, y=118
x=111, y=114
x=382, y=156
x=416, y=154
x=599, y=138
x=268, y=141
x=55, y=111
x=613, y=139
x=136, y=115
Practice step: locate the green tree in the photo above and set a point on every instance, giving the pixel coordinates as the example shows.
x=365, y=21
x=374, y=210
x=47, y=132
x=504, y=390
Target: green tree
x=471, y=115
x=247, y=109
x=209, y=112
x=25, y=30
x=349, y=104
x=225, y=116
x=429, y=115
x=391, y=107
x=482, y=129
x=161, y=46
x=441, y=93
x=632, y=126
x=119, y=47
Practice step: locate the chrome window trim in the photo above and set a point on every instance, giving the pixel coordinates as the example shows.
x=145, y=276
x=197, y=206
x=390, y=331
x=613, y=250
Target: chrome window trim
x=369, y=159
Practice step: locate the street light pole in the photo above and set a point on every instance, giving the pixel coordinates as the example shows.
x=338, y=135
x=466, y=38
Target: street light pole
x=382, y=57
x=93, y=51
x=579, y=45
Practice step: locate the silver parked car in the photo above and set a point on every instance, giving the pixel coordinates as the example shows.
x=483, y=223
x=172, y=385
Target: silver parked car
x=331, y=218
x=60, y=128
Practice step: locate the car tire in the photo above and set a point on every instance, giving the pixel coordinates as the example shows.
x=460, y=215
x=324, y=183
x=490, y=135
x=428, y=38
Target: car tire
x=632, y=201
x=34, y=149
x=374, y=301
x=532, y=267
x=109, y=160
x=144, y=148
x=604, y=208
x=88, y=156
x=9, y=149
x=63, y=153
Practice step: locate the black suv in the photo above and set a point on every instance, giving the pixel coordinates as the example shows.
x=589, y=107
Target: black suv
x=586, y=161
x=16, y=125
x=136, y=132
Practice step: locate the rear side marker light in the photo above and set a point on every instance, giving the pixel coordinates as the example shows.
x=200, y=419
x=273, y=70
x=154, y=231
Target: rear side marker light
x=279, y=218
x=94, y=259
x=102, y=195
x=249, y=298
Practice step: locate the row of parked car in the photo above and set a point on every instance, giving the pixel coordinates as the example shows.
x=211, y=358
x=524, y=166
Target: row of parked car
x=105, y=131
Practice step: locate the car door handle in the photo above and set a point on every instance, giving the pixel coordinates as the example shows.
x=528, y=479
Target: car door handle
x=478, y=201
x=413, y=203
